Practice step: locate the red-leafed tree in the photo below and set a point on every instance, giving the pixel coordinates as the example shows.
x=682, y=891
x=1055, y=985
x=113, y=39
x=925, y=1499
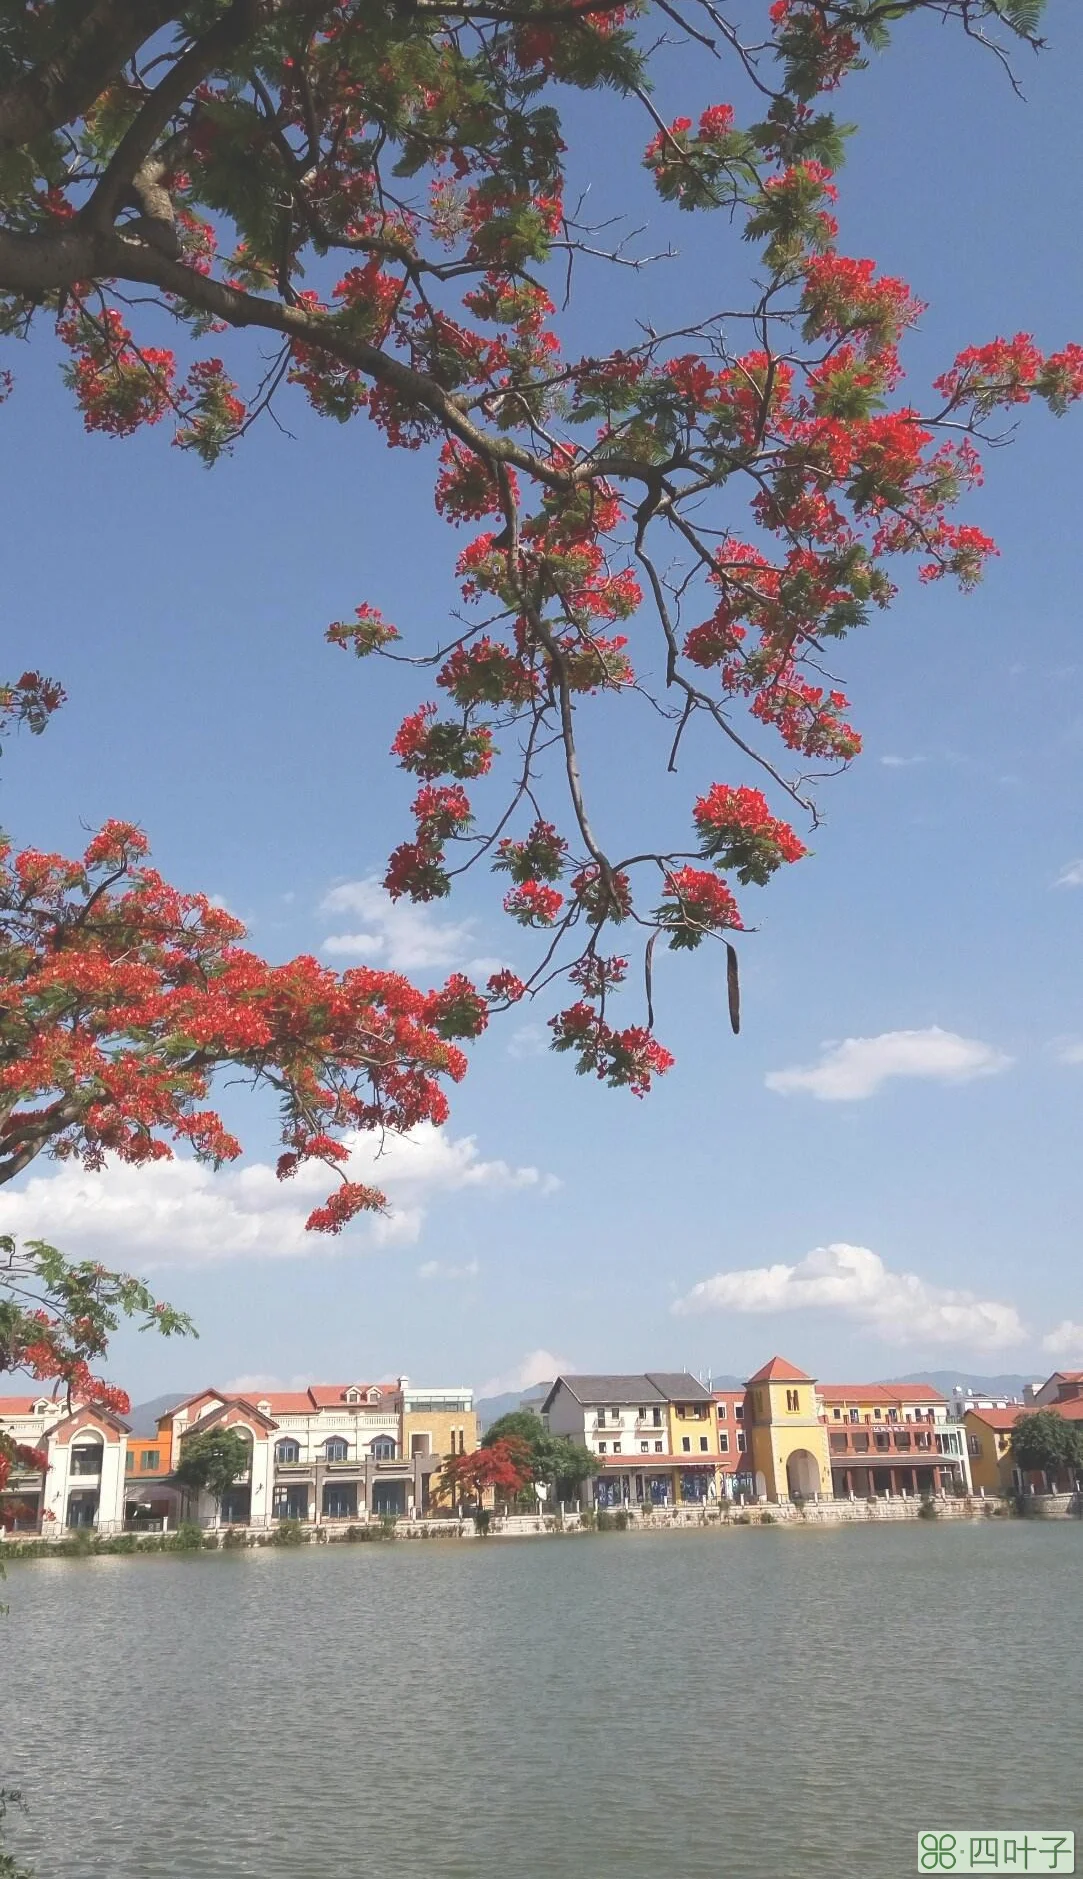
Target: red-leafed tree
x=686, y=520
x=503, y=1468
x=120, y=998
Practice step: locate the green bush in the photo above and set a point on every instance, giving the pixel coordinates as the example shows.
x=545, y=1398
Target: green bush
x=620, y=1520
x=604, y=1520
x=928, y=1509
x=289, y=1533
x=767, y=1519
x=188, y=1538
x=235, y=1537
x=483, y=1520
x=742, y=1520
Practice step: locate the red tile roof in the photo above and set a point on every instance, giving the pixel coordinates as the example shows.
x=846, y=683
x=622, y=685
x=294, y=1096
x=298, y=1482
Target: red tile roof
x=332, y=1395
x=22, y=1405
x=1072, y=1411
x=779, y=1371
x=283, y=1402
x=879, y=1393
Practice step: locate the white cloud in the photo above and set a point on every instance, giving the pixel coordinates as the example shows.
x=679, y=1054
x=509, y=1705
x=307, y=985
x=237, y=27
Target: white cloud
x=900, y=1307
x=856, y=1068
x=180, y=1213
x=436, y=1269
x=1066, y=1341
x=535, y=1367
x=1071, y=875
x=396, y=933
x=902, y=763
x=1069, y=1051
x=530, y=1040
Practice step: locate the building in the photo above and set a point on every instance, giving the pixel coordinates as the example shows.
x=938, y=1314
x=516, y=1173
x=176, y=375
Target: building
x=654, y=1435
x=787, y=1441
x=333, y=1451
x=330, y=1452
x=1064, y=1386
x=891, y=1438
x=734, y=1472
x=989, y=1439
x=83, y=1482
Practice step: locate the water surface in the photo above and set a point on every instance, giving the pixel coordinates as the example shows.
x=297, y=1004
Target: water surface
x=794, y=1703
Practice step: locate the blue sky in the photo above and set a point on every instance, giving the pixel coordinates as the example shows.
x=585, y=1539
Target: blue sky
x=184, y=612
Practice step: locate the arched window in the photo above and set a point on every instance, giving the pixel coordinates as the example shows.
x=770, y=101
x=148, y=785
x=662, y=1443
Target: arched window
x=288, y=1451
x=336, y=1448
x=383, y=1449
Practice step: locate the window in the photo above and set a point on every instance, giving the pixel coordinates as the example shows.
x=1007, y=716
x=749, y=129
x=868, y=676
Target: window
x=288, y=1451
x=602, y=1447
x=335, y=1448
x=657, y=1418
x=793, y=1400
x=658, y=1448
x=383, y=1449
x=724, y=1441
x=149, y=1461
x=855, y=1415
x=616, y=1448
x=879, y=1414
x=353, y=1396
x=644, y=1448
x=686, y=1443
x=738, y=1412
x=129, y=1462
x=703, y=1443
x=721, y=1412
x=740, y=1441
x=838, y=1415
x=87, y=1459
x=601, y=1419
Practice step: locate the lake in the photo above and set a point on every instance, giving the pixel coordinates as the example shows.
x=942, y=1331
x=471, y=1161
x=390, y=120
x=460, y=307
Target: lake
x=791, y=1702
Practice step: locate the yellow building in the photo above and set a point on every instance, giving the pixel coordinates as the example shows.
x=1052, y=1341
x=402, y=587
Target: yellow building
x=692, y=1431
x=989, y=1445
x=437, y=1422
x=787, y=1442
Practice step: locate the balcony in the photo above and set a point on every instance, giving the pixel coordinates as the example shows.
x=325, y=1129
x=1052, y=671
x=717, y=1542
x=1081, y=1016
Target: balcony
x=891, y=1441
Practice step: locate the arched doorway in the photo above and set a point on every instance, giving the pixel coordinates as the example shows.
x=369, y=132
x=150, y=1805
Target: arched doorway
x=802, y=1475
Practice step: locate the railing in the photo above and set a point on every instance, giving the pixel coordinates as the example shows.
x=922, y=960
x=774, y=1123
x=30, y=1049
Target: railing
x=910, y=1444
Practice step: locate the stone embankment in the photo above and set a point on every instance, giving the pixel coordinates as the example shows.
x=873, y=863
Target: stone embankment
x=570, y=1521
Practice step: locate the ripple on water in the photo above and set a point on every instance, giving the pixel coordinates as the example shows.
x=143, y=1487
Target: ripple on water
x=788, y=1702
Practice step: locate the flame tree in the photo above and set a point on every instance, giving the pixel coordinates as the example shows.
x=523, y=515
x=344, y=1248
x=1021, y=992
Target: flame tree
x=688, y=521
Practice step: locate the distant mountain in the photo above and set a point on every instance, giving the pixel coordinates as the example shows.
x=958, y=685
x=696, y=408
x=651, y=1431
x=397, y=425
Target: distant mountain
x=491, y=1408
x=143, y=1417
x=948, y=1380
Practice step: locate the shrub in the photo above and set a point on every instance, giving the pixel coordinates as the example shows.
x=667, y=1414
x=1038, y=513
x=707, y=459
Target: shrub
x=767, y=1519
x=210, y=1542
x=742, y=1520
x=234, y=1537
x=483, y=1520
x=188, y=1538
x=620, y=1520
x=288, y=1533
x=928, y=1509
